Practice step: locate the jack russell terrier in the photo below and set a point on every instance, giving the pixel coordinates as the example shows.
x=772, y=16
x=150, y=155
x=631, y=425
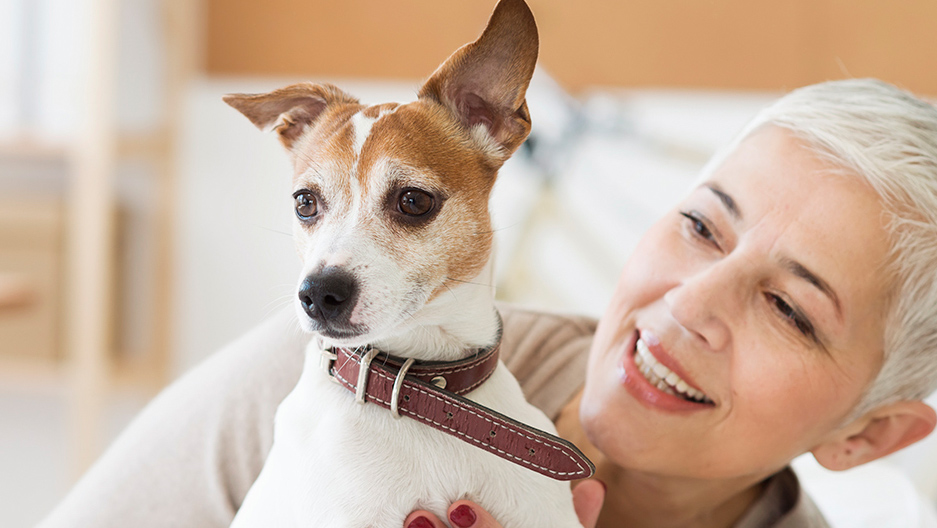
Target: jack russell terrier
x=403, y=403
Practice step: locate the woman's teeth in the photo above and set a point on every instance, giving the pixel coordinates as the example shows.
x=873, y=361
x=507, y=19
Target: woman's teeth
x=663, y=378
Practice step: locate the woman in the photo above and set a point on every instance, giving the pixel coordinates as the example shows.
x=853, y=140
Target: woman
x=793, y=292
x=785, y=306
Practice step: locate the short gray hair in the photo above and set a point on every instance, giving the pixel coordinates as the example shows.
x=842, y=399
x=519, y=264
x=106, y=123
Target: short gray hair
x=889, y=138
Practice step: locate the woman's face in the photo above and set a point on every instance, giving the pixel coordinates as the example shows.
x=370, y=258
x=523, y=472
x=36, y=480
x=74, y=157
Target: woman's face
x=763, y=292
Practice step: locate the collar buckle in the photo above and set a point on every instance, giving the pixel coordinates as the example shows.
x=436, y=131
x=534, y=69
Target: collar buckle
x=364, y=368
x=327, y=359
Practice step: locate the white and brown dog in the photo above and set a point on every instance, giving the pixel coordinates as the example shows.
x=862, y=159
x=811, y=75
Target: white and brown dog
x=393, y=227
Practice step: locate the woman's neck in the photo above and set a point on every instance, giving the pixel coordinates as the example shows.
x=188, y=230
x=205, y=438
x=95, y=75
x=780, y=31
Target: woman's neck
x=639, y=499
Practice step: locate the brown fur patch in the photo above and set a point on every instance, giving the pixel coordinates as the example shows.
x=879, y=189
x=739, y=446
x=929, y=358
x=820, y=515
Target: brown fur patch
x=330, y=143
x=425, y=138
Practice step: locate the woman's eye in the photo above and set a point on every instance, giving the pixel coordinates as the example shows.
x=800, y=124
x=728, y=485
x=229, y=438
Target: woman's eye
x=413, y=202
x=699, y=227
x=306, y=205
x=793, y=317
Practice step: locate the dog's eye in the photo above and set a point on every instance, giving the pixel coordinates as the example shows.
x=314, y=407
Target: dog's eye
x=306, y=205
x=414, y=202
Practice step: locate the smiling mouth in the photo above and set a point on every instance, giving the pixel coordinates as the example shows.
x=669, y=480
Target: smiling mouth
x=663, y=378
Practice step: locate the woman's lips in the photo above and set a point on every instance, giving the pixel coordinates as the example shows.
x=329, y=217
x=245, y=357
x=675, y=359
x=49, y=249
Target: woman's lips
x=660, y=369
x=657, y=392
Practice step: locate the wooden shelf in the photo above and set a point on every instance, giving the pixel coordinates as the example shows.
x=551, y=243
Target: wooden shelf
x=86, y=369
x=153, y=145
x=148, y=145
x=31, y=374
x=29, y=149
x=42, y=374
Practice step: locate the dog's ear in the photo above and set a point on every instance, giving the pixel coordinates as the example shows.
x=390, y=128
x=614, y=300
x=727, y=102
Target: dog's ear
x=290, y=110
x=484, y=83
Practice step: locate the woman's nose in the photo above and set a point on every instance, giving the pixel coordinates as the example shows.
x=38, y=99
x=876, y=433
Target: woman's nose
x=703, y=302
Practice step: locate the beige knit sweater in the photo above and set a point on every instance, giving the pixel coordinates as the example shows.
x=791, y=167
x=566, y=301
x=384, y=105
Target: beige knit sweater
x=189, y=458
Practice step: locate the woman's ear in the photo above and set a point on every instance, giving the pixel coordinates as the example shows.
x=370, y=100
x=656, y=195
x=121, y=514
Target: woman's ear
x=880, y=432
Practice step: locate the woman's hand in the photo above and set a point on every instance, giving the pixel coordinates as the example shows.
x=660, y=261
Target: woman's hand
x=587, y=499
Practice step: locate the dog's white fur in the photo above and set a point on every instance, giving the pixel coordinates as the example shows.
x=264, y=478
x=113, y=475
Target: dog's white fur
x=337, y=463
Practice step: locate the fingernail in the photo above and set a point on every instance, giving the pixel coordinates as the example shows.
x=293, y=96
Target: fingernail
x=604, y=486
x=463, y=516
x=420, y=522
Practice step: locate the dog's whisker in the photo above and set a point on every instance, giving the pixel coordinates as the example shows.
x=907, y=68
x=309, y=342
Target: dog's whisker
x=417, y=324
x=496, y=229
x=276, y=305
x=275, y=231
x=348, y=359
x=468, y=282
x=456, y=297
x=278, y=301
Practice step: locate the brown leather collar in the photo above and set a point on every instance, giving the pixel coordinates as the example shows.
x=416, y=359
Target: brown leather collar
x=430, y=392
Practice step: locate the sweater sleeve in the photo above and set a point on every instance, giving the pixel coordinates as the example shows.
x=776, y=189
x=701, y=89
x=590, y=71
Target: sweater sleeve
x=190, y=456
x=547, y=353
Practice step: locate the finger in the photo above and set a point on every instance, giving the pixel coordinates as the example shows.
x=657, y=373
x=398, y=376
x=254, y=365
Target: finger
x=467, y=514
x=588, y=497
x=422, y=519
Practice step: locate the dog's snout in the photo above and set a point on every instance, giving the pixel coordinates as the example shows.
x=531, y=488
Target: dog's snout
x=329, y=296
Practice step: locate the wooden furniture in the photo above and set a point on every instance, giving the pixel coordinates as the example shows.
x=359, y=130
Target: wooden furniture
x=58, y=257
x=32, y=261
x=16, y=291
x=93, y=364
x=30, y=279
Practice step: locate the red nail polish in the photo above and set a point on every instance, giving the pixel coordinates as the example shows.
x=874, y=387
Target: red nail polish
x=463, y=516
x=420, y=522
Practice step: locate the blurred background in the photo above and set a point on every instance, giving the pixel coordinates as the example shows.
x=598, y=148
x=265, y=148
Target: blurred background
x=144, y=224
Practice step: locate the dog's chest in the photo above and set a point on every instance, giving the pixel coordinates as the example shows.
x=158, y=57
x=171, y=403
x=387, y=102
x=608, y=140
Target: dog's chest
x=336, y=463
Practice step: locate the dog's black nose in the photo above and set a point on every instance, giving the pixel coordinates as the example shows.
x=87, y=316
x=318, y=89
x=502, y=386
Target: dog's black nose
x=329, y=296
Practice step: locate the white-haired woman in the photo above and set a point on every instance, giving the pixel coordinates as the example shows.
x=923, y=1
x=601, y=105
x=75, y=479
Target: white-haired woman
x=786, y=305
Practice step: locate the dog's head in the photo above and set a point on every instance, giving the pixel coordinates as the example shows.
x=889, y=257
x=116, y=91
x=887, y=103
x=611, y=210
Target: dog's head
x=392, y=200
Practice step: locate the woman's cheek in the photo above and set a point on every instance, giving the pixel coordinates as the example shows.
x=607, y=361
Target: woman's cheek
x=657, y=265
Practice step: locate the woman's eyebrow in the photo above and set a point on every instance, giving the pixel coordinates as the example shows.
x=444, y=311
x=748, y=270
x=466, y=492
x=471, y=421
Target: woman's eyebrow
x=801, y=271
x=792, y=266
x=726, y=200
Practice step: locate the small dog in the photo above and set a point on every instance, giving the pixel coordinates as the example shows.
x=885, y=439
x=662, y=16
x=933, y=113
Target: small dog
x=395, y=235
